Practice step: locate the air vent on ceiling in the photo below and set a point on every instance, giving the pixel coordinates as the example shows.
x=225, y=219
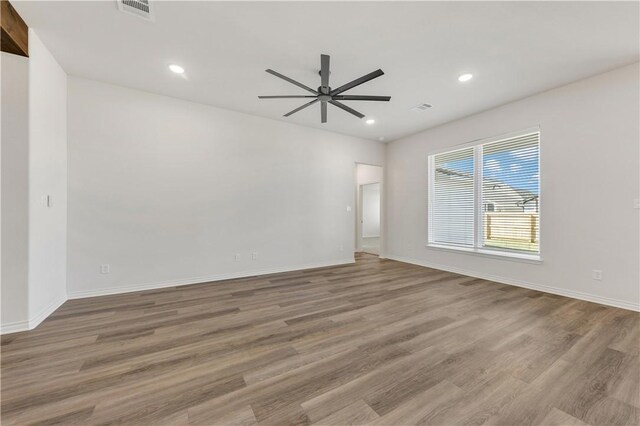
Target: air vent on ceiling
x=139, y=8
x=421, y=107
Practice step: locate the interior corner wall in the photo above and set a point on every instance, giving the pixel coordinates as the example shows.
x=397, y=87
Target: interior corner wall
x=371, y=210
x=169, y=192
x=590, y=176
x=47, y=178
x=14, y=77
x=369, y=174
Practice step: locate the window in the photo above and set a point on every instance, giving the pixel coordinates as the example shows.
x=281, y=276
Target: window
x=486, y=198
x=452, y=213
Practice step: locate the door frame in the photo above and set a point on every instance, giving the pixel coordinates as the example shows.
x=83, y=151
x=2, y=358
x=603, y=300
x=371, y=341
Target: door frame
x=358, y=216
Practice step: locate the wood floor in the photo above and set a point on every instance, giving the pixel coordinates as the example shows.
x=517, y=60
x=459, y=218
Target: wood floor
x=377, y=342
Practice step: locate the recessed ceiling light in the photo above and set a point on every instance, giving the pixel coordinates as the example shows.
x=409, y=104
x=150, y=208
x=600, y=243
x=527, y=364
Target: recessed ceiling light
x=465, y=77
x=381, y=138
x=176, y=68
x=370, y=121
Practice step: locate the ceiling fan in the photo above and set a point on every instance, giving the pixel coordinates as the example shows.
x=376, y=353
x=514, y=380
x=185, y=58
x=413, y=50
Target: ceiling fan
x=326, y=95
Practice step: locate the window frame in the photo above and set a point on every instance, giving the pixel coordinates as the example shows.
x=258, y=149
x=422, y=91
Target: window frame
x=478, y=236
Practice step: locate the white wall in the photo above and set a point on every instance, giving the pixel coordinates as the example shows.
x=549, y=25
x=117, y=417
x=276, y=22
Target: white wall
x=368, y=174
x=371, y=210
x=589, y=179
x=15, y=201
x=167, y=191
x=47, y=176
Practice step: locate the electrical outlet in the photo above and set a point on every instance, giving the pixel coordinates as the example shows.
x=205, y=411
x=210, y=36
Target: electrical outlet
x=597, y=274
x=105, y=268
x=254, y=256
x=237, y=257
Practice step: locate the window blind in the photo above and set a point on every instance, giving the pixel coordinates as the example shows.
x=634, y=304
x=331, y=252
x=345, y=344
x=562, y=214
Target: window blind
x=452, y=210
x=487, y=197
x=510, y=194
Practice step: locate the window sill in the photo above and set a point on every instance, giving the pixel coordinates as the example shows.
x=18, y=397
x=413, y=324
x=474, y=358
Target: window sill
x=520, y=257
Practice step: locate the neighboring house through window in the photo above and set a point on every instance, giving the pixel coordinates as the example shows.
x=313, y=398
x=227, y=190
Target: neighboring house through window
x=486, y=197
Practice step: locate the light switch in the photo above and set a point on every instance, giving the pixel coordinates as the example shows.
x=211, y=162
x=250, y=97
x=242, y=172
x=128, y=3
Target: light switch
x=348, y=208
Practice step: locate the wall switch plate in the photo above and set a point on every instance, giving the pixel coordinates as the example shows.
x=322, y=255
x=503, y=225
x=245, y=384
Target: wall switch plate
x=104, y=268
x=237, y=257
x=597, y=274
x=254, y=256
x=636, y=203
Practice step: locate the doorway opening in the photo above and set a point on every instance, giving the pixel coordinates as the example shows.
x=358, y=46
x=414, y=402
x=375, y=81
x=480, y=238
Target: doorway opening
x=369, y=212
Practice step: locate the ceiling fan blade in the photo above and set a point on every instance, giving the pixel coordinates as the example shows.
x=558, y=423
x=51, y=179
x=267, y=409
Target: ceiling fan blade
x=357, y=82
x=346, y=108
x=361, y=98
x=285, y=96
x=324, y=70
x=302, y=107
x=323, y=112
x=292, y=81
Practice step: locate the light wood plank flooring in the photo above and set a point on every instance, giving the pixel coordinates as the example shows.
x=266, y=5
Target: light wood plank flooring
x=377, y=342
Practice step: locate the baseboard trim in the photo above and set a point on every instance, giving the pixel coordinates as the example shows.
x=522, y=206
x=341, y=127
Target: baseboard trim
x=202, y=279
x=43, y=314
x=30, y=324
x=519, y=283
x=14, y=327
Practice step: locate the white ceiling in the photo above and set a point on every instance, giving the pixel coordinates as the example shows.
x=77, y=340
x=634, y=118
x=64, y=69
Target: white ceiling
x=514, y=49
